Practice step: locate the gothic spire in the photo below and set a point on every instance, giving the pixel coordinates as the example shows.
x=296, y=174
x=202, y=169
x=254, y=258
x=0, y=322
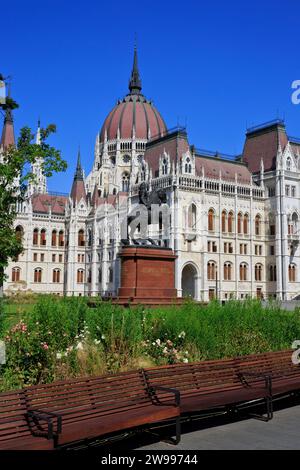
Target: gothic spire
x=135, y=83
x=78, y=173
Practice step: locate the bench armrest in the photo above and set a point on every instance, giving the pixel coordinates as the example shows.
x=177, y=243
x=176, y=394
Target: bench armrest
x=267, y=378
x=167, y=389
x=47, y=416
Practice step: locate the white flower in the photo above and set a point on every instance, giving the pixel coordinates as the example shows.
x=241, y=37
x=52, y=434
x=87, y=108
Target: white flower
x=185, y=360
x=102, y=337
x=153, y=344
x=97, y=341
x=181, y=334
x=158, y=342
x=58, y=355
x=79, y=346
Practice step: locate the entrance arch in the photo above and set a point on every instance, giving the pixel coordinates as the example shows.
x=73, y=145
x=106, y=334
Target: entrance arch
x=188, y=281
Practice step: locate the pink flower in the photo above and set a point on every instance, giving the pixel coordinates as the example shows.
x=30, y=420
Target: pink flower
x=45, y=346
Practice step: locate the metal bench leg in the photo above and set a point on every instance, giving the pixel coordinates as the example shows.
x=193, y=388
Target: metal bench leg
x=269, y=411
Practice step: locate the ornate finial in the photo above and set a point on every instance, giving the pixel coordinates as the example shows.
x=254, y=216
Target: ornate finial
x=135, y=83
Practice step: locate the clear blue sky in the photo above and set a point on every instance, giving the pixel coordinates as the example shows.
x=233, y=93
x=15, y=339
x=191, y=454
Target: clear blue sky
x=217, y=65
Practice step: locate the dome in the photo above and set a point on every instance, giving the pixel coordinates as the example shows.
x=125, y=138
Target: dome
x=133, y=112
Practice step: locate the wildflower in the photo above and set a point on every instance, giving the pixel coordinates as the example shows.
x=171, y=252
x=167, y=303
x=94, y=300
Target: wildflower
x=181, y=334
x=79, y=346
x=102, y=337
x=158, y=342
x=58, y=355
x=45, y=346
x=97, y=341
x=185, y=360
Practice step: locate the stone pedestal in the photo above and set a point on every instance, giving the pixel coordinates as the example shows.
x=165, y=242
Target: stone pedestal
x=147, y=276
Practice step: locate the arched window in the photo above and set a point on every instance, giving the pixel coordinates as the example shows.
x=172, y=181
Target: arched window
x=227, y=271
x=56, y=275
x=192, y=217
x=80, y=276
x=188, y=166
x=257, y=224
x=211, y=220
x=35, y=236
x=288, y=164
x=258, y=272
x=246, y=224
x=99, y=275
x=38, y=275
x=224, y=217
x=19, y=232
x=110, y=275
x=292, y=273
x=15, y=274
x=211, y=270
x=243, y=272
x=81, y=241
x=164, y=167
x=143, y=173
x=230, y=222
x=54, y=238
x=43, y=237
x=125, y=182
x=239, y=222
x=61, y=238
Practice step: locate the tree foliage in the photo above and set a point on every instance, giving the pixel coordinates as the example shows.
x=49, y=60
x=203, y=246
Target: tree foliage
x=15, y=174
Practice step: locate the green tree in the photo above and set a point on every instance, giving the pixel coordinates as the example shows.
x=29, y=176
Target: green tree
x=15, y=173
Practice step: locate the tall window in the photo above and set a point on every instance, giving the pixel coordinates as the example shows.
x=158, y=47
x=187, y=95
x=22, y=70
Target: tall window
x=38, y=275
x=188, y=166
x=257, y=224
x=81, y=241
x=43, y=237
x=227, y=271
x=125, y=182
x=15, y=274
x=288, y=164
x=80, y=276
x=272, y=273
x=54, y=238
x=61, y=238
x=19, y=232
x=56, y=275
x=240, y=217
x=110, y=275
x=99, y=275
x=224, y=216
x=164, y=166
x=35, y=236
x=211, y=220
x=230, y=222
x=211, y=270
x=292, y=273
x=246, y=224
x=258, y=272
x=243, y=272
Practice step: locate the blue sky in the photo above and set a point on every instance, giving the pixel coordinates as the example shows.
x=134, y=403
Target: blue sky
x=217, y=66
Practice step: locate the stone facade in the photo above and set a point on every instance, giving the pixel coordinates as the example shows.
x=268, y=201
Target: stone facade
x=234, y=221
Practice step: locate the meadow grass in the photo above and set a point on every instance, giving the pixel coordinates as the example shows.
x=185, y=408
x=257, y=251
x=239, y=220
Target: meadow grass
x=54, y=338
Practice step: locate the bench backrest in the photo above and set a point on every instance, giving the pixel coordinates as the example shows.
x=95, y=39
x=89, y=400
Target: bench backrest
x=13, y=420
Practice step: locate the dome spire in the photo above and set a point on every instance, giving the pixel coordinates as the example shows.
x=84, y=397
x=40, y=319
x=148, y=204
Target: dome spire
x=135, y=83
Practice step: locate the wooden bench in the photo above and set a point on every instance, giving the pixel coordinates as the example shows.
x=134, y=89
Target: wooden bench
x=48, y=416
x=212, y=384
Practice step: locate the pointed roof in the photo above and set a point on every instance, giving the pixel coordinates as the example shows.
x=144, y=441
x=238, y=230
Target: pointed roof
x=8, y=134
x=78, y=188
x=262, y=143
x=135, y=83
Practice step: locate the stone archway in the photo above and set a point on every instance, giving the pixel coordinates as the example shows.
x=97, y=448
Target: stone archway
x=188, y=281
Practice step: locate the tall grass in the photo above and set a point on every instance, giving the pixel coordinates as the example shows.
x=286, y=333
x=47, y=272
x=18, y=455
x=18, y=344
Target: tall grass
x=58, y=338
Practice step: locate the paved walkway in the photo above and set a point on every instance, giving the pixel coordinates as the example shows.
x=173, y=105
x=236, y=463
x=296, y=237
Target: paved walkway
x=280, y=433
